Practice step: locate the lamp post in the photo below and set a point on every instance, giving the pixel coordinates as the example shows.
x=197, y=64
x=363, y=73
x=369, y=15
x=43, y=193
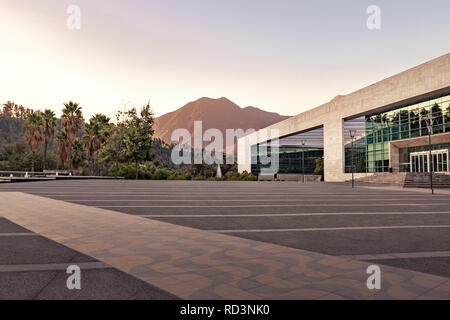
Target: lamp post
x=429, y=122
x=352, y=135
x=303, y=160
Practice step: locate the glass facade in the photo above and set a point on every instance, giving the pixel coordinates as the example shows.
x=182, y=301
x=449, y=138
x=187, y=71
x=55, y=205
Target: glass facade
x=359, y=156
x=291, y=151
x=371, y=140
x=357, y=128
x=290, y=159
x=402, y=123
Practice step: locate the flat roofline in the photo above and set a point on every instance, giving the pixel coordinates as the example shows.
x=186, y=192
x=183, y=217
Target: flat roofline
x=403, y=103
x=426, y=81
x=385, y=108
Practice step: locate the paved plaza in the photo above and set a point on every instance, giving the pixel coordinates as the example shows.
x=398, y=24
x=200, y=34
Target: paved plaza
x=222, y=240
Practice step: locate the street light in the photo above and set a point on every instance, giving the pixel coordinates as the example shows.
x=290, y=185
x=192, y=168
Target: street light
x=352, y=135
x=429, y=122
x=303, y=142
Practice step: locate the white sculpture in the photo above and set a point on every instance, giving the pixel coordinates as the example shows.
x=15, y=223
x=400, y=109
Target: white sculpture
x=219, y=172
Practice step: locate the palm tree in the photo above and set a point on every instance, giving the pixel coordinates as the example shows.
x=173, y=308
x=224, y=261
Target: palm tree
x=90, y=142
x=72, y=122
x=101, y=119
x=61, y=138
x=103, y=124
x=96, y=132
x=49, y=131
x=33, y=134
x=8, y=108
x=77, y=153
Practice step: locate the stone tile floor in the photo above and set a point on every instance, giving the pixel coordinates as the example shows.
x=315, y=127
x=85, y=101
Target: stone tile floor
x=200, y=264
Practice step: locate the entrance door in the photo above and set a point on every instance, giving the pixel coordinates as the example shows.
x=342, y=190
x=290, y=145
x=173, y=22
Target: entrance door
x=420, y=161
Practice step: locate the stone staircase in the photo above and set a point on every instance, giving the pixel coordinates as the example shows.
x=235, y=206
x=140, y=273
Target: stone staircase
x=397, y=179
x=408, y=180
x=422, y=180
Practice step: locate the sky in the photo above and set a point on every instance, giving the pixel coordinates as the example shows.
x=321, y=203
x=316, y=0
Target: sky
x=284, y=56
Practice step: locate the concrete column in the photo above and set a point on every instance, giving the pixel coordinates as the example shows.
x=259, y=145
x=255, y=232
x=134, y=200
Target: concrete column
x=394, y=158
x=334, y=153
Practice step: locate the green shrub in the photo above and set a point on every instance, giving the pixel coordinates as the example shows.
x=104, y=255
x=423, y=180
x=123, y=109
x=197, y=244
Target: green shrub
x=87, y=172
x=128, y=171
x=161, y=174
x=4, y=166
x=245, y=176
x=178, y=177
x=232, y=175
x=319, y=170
x=215, y=179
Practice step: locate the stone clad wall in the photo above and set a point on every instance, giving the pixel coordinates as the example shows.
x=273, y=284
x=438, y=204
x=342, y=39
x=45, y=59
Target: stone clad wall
x=429, y=78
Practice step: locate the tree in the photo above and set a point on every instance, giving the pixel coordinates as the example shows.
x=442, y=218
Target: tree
x=319, y=170
x=138, y=135
x=49, y=124
x=33, y=134
x=102, y=120
x=12, y=110
x=72, y=122
x=61, y=138
x=103, y=125
x=77, y=153
x=112, y=150
x=8, y=108
x=90, y=142
x=96, y=132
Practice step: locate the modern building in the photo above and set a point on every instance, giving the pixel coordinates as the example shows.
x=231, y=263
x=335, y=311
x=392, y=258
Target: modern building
x=386, y=122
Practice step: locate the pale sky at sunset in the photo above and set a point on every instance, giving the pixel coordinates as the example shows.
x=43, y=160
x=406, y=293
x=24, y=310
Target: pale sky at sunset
x=285, y=56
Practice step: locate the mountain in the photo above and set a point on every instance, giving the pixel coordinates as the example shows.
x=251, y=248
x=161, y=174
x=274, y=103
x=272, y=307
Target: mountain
x=220, y=114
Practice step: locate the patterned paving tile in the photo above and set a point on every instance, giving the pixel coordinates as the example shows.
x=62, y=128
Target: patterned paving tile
x=196, y=264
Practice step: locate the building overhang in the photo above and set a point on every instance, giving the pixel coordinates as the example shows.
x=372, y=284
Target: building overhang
x=421, y=141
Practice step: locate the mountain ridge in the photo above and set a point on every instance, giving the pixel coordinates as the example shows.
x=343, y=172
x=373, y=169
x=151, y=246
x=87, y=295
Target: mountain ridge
x=219, y=113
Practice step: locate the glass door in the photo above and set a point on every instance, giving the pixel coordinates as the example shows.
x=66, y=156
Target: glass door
x=420, y=161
